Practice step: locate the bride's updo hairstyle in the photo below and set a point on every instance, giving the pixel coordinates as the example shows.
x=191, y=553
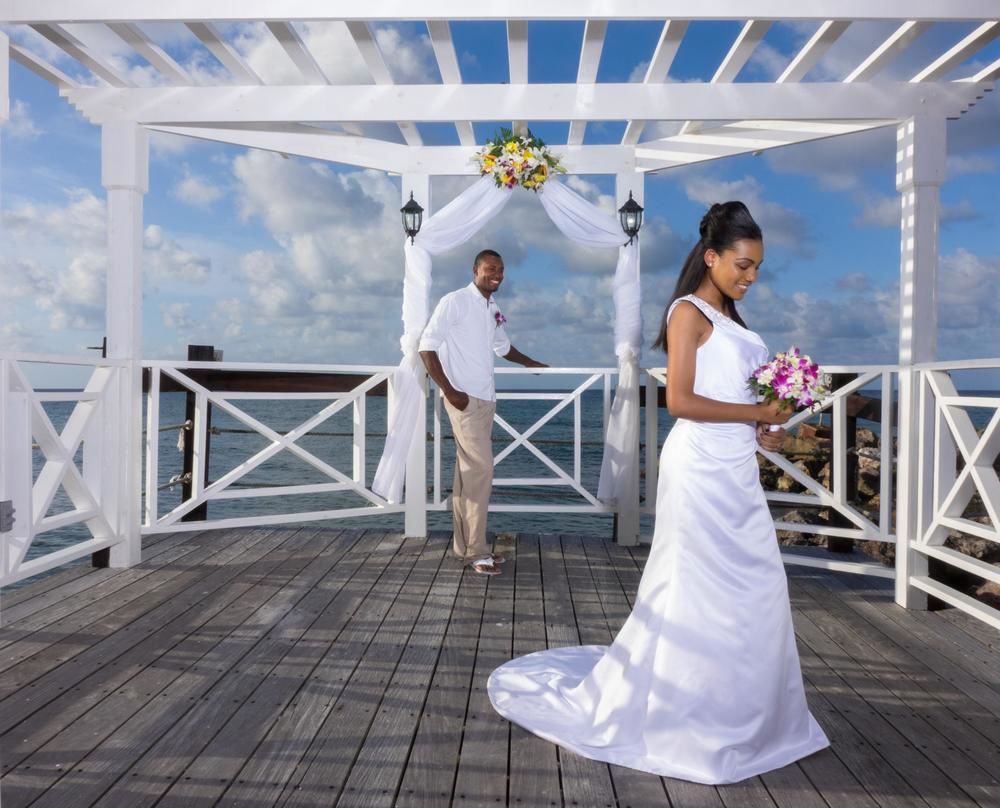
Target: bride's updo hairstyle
x=721, y=227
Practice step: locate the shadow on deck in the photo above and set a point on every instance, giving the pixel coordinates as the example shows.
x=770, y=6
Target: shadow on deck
x=308, y=667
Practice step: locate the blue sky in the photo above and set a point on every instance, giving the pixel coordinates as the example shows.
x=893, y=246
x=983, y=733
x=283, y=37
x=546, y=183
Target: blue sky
x=278, y=259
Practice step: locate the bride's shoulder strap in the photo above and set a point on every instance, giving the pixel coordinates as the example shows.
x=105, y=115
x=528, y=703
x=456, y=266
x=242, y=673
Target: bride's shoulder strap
x=694, y=300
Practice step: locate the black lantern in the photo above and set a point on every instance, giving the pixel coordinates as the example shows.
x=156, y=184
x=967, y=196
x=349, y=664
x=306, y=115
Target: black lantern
x=630, y=215
x=413, y=216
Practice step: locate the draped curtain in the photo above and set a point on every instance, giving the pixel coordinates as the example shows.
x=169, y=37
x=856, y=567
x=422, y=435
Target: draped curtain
x=455, y=224
x=451, y=226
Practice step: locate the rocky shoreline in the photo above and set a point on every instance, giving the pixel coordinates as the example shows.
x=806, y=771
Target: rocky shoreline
x=810, y=453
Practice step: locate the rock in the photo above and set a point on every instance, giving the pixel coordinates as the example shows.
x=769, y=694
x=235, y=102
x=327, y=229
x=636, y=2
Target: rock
x=865, y=437
x=791, y=537
x=981, y=549
x=787, y=484
x=989, y=593
x=869, y=466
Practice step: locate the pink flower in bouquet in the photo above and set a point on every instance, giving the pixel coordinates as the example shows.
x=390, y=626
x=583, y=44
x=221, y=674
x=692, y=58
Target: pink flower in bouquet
x=790, y=377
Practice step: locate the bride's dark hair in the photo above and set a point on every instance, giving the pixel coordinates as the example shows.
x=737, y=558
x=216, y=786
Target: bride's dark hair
x=722, y=226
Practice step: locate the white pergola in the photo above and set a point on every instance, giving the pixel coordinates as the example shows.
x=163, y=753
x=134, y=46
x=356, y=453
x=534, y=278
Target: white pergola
x=375, y=125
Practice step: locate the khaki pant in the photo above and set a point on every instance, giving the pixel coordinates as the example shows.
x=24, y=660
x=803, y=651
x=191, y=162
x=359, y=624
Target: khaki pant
x=470, y=493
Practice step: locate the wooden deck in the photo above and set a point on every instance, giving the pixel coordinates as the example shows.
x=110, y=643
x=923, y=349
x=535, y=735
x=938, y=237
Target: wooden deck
x=317, y=667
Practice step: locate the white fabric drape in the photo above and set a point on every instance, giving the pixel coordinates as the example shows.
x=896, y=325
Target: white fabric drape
x=455, y=224
x=451, y=226
x=582, y=221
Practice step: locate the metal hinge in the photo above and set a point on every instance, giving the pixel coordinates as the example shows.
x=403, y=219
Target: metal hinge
x=6, y=516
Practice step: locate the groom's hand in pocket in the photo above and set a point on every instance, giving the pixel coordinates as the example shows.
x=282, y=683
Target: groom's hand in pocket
x=458, y=400
x=771, y=441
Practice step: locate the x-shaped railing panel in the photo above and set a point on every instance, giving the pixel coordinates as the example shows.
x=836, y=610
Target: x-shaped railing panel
x=978, y=474
x=523, y=439
x=278, y=442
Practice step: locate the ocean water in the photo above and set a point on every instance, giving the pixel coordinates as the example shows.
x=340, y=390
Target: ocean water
x=331, y=442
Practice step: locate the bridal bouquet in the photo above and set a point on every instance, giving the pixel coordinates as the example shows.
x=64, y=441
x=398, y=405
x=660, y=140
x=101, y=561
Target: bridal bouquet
x=512, y=159
x=790, y=377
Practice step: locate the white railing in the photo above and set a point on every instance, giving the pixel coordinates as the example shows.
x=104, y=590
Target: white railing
x=957, y=463
x=816, y=495
x=64, y=481
x=233, y=483
x=73, y=499
x=559, y=479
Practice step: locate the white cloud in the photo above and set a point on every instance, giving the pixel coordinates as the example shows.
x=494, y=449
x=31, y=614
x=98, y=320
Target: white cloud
x=20, y=125
x=197, y=191
x=959, y=164
x=880, y=210
x=55, y=256
x=177, y=316
x=781, y=225
x=410, y=59
x=165, y=259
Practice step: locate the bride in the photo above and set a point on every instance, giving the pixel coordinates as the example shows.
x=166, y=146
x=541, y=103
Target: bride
x=703, y=681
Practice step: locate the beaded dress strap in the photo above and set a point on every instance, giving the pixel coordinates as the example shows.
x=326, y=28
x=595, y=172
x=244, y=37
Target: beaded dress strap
x=717, y=317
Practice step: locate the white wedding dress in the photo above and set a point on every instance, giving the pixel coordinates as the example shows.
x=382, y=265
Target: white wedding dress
x=703, y=680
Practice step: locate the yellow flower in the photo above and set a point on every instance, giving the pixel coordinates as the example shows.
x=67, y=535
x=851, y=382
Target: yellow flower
x=510, y=146
x=542, y=170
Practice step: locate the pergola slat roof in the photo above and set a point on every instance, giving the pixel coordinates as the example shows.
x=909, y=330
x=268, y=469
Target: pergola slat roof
x=316, y=116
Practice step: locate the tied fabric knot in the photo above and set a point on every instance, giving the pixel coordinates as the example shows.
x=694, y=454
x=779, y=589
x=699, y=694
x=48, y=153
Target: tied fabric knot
x=627, y=353
x=409, y=343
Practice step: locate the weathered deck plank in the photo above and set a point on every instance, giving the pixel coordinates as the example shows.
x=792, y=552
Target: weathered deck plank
x=197, y=708
x=534, y=763
x=310, y=666
x=107, y=697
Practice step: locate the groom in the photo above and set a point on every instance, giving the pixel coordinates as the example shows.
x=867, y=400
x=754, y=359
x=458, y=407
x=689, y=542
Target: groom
x=457, y=349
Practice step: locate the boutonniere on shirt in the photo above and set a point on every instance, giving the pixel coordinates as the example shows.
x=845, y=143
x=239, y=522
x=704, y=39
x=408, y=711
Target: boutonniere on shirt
x=501, y=320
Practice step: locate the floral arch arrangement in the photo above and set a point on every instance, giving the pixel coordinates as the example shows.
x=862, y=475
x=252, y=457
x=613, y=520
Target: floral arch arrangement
x=517, y=159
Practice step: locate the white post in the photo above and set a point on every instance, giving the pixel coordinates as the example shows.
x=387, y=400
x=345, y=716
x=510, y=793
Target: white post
x=628, y=503
x=415, y=520
x=920, y=169
x=125, y=175
x=4, y=77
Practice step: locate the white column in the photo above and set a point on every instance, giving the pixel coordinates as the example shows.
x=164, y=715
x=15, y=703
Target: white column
x=125, y=175
x=628, y=504
x=4, y=78
x=416, y=464
x=920, y=169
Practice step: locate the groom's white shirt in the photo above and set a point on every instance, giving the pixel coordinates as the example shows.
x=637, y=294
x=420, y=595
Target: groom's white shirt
x=465, y=333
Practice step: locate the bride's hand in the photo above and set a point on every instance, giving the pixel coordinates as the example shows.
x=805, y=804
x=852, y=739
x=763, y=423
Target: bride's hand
x=773, y=412
x=770, y=441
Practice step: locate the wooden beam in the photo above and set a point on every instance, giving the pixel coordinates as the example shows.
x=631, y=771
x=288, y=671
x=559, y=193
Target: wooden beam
x=132, y=36
x=76, y=49
x=32, y=11
x=542, y=102
x=320, y=144
x=224, y=52
x=743, y=137
x=739, y=54
x=297, y=51
x=305, y=141
x=37, y=65
x=989, y=73
x=814, y=50
x=947, y=62
x=590, y=59
x=898, y=41
x=658, y=70
x=517, y=61
x=447, y=60
x=379, y=70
